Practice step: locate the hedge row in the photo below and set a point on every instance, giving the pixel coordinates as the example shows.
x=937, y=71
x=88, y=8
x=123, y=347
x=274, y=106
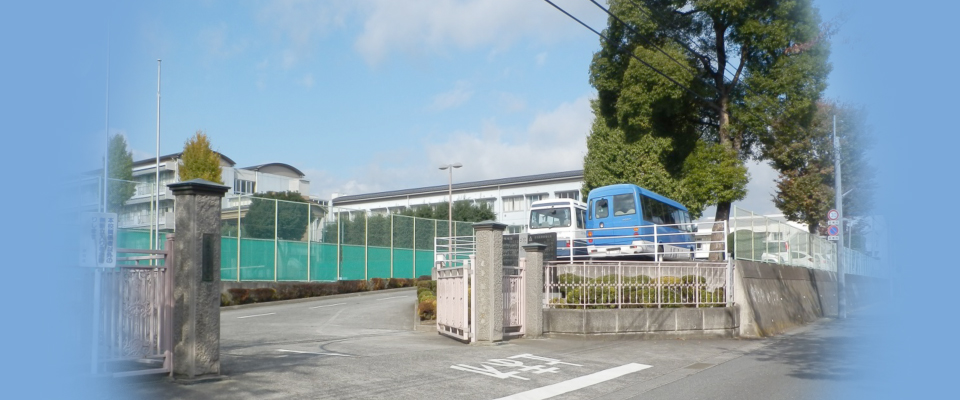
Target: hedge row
x=427, y=300
x=299, y=290
x=637, y=291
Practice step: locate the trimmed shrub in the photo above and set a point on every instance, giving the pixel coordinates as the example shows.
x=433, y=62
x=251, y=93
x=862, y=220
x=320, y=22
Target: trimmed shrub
x=423, y=278
x=427, y=309
x=224, y=299
x=378, y=284
x=689, y=279
x=239, y=295
x=261, y=295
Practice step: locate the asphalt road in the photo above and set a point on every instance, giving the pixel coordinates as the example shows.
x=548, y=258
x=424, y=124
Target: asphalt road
x=365, y=347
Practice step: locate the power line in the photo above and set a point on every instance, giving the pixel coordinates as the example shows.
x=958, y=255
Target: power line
x=709, y=103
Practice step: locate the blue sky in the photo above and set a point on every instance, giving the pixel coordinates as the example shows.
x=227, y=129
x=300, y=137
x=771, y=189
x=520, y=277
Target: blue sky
x=369, y=95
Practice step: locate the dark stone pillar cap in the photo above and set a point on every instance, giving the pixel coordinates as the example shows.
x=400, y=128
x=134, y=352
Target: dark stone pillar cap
x=198, y=187
x=534, y=247
x=489, y=226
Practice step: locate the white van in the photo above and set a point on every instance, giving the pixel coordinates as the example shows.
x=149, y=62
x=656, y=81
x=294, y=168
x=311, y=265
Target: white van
x=566, y=218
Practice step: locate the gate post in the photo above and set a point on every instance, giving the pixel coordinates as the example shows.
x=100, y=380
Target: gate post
x=196, y=292
x=488, y=281
x=533, y=290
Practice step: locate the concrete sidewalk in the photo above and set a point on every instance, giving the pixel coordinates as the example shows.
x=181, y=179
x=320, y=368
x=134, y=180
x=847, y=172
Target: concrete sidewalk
x=367, y=347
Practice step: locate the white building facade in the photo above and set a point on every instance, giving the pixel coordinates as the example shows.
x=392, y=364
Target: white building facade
x=141, y=211
x=509, y=198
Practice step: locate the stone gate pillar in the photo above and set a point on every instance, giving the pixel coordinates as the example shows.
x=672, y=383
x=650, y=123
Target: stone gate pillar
x=488, y=282
x=533, y=290
x=196, y=290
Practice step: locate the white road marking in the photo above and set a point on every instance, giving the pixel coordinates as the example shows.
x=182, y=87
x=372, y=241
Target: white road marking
x=257, y=315
x=557, y=389
x=388, y=298
x=310, y=352
x=329, y=305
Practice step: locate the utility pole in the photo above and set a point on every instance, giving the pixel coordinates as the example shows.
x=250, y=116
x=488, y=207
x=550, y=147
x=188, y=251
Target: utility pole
x=157, y=237
x=838, y=199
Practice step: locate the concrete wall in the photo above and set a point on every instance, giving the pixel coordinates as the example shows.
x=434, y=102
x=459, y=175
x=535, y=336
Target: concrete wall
x=774, y=298
x=653, y=322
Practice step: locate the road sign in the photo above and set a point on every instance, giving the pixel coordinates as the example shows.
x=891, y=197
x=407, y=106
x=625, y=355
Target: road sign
x=833, y=215
x=98, y=247
x=833, y=230
x=833, y=238
x=833, y=222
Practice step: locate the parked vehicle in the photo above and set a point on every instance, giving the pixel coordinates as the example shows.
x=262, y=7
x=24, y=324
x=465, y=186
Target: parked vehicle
x=627, y=220
x=566, y=218
x=793, y=257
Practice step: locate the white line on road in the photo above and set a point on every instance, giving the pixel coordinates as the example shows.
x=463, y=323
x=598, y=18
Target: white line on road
x=557, y=389
x=329, y=305
x=310, y=352
x=257, y=315
x=388, y=298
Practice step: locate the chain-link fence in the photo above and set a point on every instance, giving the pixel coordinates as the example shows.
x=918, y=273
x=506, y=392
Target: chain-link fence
x=276, y=240
x=761, y=238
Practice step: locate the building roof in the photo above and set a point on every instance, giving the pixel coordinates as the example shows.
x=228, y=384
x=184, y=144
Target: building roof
x=288, y=166
x=553, y=176
x=149, y=161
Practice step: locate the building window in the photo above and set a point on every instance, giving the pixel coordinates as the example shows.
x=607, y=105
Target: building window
x=514, y=203
x=569, y=194
x=531, y=198
x=241, y=186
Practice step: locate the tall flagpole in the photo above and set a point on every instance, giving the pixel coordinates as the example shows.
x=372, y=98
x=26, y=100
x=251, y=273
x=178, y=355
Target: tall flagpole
x=106, y=126
x=157, y=237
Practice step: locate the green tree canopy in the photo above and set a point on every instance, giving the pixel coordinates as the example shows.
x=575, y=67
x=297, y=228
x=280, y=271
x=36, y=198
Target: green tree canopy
x=805, y=161
x=287, y=212
x=120, y=173
x=199, y=160
x=682, y=121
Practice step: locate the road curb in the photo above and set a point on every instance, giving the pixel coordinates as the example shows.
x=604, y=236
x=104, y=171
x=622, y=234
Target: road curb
x=308, y=299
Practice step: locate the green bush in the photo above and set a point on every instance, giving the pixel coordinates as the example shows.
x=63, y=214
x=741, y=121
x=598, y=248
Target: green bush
x=427, y=309
x=378, y=284
x=689, y=279
x=239, y=295
x=224, y=299
x=261, y=295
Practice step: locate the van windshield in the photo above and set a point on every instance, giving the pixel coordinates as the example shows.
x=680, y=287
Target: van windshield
x=550, y=218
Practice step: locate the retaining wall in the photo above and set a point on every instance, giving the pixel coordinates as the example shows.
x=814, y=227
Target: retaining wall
x=652, y=322
x=774, y=298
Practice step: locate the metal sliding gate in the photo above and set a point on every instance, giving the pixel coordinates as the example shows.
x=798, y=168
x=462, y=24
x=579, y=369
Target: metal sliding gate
x=133, y=324
x=455, y=299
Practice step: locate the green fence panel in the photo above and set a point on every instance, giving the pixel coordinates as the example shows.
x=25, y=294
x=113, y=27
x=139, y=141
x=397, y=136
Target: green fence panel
x=291, y=261
x=424, y=263
x=323, y=262
x=402, y=263
x=378, y=262
x=228, y=258
x=352, y=266
x=256, y=260
x=136, y=239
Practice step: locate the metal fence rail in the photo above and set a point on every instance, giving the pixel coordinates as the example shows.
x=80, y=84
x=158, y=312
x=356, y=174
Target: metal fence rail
x=660, y=242
x=454, y=251
x=636, y=284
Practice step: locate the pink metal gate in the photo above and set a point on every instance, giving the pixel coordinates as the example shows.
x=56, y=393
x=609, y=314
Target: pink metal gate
x=513, y=299
x=133, y=329
x=453, y=301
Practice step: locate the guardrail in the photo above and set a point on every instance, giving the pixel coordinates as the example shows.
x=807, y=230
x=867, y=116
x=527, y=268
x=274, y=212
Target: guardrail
x=637, y=284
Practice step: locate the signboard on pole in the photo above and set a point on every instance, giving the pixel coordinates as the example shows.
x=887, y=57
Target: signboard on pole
x=833, y=231
x=98, y=240
x=833, y=215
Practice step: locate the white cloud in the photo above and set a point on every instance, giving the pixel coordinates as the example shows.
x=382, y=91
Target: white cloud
x=216, y=43
x=306, y=81
x=554, y=141
x=541, y=59
x=511, y=103
x=298, y=24
x=460, y=94
x=434, y=26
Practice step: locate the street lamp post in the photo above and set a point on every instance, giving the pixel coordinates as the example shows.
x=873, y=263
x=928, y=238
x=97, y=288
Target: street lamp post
x=450, y=168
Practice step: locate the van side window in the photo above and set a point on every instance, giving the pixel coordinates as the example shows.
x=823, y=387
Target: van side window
x=580, y=224
x=602, y=209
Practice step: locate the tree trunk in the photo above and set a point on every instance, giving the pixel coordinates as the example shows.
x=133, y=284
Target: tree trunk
x=719, y=245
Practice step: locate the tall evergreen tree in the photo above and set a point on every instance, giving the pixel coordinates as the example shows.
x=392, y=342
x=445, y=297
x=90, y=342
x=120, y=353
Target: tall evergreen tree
x=199, y=160
x=712, y=73
x=119, y=172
